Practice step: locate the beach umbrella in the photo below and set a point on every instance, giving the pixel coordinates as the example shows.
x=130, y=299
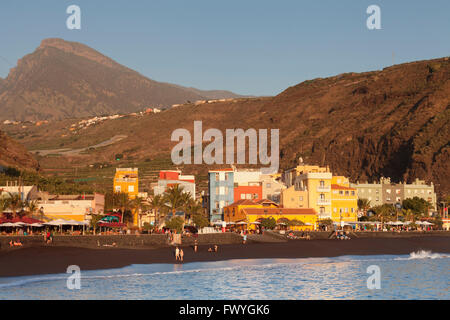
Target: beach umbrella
x=7, y=224
x=19, y=224
x=426, y=223
x=242, y=222
x=256, y=222
x=37, y=225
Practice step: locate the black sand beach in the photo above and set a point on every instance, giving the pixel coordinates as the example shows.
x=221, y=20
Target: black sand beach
x=55, y=259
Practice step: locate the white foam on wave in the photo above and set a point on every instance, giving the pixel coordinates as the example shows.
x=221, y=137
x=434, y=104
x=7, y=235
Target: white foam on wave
x=424, y=254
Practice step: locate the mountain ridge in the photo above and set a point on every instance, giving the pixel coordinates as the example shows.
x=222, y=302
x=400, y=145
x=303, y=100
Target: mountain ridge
x=63, y=79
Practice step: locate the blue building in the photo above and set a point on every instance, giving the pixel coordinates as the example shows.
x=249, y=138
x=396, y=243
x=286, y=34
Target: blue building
x=221, y=192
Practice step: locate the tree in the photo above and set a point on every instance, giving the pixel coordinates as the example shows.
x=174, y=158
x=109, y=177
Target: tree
x=296, y=222
x=156, y=203
x=175, y=223
x=364, y=205
x=15, y=203
x=139, y=205
x=417, y=205
x=200, y=221
x=384, y=212
x=94, y=221
x=4, y=204
x=32, y=207
x=173, y=198
x=269, y=223
x=123, y=202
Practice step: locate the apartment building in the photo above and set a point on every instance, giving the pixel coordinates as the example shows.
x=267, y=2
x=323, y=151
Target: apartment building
x=126, y=180
x=387, y=192
x=168, y=178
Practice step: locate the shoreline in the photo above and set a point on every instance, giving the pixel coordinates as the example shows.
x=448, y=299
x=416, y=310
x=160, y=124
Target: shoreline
x=39, y=260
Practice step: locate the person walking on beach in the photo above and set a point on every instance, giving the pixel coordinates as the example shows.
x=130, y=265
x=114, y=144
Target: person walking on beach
x=177, y=253
x=195, y=246
x=181, y=255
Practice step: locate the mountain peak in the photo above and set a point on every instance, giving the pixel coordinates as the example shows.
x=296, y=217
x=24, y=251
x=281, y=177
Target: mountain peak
x=78, y=49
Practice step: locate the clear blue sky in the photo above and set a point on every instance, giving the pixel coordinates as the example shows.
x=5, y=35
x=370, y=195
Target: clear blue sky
x=254, y=47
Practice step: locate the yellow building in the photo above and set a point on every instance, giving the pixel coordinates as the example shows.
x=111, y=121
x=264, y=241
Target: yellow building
x=126, y=181
x=306, y=215
x=316, y=182
x=344, y=200
x=292, y=198
x=234, y=212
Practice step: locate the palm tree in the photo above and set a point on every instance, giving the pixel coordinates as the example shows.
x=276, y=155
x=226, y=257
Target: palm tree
x=31, y=206
x=4, y=204
x=15, y=203
x=156, y=203
x=173, y=198
x=123, y=202
x=139, y=205
x=364, y=205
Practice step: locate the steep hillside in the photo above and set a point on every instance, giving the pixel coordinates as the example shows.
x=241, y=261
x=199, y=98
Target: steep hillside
x=392, y=122
x=62, y=79
x=12, y=154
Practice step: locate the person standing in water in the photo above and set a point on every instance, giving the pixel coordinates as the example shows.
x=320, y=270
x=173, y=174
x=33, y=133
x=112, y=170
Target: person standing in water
x=177, y=253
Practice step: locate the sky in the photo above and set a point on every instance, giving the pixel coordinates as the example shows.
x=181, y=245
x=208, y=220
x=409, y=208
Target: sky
x=251, y=47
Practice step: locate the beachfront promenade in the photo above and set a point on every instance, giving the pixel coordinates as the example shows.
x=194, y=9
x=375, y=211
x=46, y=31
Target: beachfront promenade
x=161, y=240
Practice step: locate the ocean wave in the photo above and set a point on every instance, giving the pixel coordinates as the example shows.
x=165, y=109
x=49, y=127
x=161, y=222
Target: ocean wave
x=424, y=254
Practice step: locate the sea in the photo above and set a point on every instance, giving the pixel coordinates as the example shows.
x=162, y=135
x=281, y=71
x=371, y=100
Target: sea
x=419, y=275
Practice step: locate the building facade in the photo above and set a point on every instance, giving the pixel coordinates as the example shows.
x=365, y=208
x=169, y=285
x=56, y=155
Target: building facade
x=220, y=192
x=168, y=178
x=387, y=192
x=344, y=200
x=71, y=207
x=126, y=180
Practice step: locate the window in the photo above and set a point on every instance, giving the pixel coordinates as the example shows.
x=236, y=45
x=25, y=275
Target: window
x=242, y=195
x=226, y=176
x=322, y=183
x=217, y=176
x=353, y=210
x=341, y=192
x=217, y=190
x=334, y=210
x=226, y=203
x=397, y=191
x=248, y=196
x=226, y=190
x=388, y=191
x=217, y=204
x=118, y=189
x=300, y=198
x=130, y=188
x=340, y=210
x=268, y=185
x=322, y=196
x=255, y=196
x=346, y=193
x=346, y=210
x=353, y=193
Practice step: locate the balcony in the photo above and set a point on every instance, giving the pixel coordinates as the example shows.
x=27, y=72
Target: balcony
x=323, y=202
x=324, y=189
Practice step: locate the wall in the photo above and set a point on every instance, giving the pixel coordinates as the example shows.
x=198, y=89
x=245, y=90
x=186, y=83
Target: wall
x=122, y=241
